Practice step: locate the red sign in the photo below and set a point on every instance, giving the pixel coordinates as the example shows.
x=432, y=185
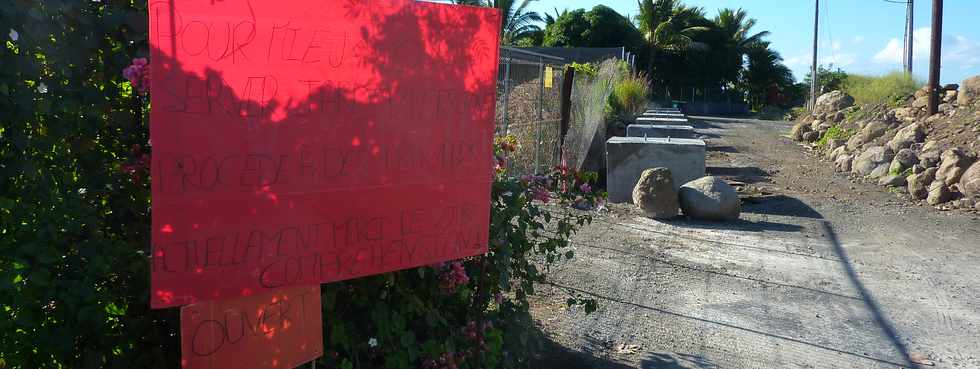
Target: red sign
x=301, y=142
x=281, y=329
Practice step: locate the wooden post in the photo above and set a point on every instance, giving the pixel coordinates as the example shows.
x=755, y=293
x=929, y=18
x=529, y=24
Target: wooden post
x=566, y=108
x=813, y=71
x=935, y=55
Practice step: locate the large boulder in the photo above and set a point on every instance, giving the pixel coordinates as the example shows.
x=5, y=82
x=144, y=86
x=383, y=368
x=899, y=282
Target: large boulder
x=892, y=180
x=833, y=154
x=843, y=163
x=811, y=136
x=920, y=102
x=879, y=171
x=969, y=91
x=655, y=195
x=709, y=198
x=918, y=184
x=929, y=158
x=868, y=133
x=938, y=193
x=799, y=130
x=904, y=159
x=837, y=117
x=970, y=181
x=871, y=159
x=904, y=114
x=949, y=96
x=922, y=92
x=906, y=136
x=833, y=101
x=953, y=163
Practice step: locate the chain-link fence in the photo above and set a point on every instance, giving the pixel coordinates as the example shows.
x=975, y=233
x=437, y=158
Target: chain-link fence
x=528, y=108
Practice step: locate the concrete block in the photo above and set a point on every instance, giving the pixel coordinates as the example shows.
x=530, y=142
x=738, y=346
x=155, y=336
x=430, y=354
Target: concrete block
x=665, y=115
x=660, y=120
x=628, y=157
x=651, y=131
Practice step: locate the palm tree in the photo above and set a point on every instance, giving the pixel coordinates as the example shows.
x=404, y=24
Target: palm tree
x=516, y=23
x=668, y=24
x=551, y=19
x=733, y=28
x=668, y=27
x=764, y=72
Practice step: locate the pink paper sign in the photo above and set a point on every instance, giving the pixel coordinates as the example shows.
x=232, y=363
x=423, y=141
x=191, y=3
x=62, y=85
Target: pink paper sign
x=301, y=142
x=275, y=330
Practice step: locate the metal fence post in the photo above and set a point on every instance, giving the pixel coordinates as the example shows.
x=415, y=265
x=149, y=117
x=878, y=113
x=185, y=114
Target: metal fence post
x=538, y=141
x=506, y=91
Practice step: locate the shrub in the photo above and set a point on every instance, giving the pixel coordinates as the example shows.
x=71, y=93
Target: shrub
x=585, y=69
x=590, y=111
x=887, y=89
x=835, y=132
x=629, y=95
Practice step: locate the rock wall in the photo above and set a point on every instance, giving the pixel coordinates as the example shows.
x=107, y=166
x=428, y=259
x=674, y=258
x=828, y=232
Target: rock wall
x=931, y=159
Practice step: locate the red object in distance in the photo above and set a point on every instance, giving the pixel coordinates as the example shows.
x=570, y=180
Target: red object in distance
x=303, y=142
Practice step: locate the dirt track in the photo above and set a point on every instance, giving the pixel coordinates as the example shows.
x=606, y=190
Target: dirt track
x=823, y=273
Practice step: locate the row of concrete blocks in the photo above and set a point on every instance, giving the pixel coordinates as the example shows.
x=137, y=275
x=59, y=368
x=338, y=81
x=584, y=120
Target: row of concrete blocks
x=660, y=144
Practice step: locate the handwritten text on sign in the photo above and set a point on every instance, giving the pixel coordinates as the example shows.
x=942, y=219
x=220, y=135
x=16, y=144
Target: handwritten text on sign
x=281, y=329
x=303, y=142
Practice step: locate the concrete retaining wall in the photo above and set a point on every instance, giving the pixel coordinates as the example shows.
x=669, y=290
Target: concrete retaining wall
x=660, y=120
x=651, y=131
x=628, y=157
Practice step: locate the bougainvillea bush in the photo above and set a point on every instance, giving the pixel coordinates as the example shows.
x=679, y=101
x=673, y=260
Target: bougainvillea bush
x=75, y=216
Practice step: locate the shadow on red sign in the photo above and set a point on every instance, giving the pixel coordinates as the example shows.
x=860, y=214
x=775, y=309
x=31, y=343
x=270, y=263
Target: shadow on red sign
x=281, y=329
x=302, y=142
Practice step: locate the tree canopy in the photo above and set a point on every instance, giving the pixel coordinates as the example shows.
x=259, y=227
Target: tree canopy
x=681, y=48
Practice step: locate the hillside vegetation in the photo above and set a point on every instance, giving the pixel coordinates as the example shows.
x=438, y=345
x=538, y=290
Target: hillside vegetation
x=886, y=89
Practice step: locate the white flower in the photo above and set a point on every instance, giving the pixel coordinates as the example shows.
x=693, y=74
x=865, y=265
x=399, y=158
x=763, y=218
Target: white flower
x=42, y=88
x=82, y=191
x=14, y=35
x=373, y=342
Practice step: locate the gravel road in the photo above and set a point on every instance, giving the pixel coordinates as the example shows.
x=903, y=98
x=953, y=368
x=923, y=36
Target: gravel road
x=821, y=272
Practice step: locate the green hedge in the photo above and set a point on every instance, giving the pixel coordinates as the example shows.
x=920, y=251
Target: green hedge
x=75, y=216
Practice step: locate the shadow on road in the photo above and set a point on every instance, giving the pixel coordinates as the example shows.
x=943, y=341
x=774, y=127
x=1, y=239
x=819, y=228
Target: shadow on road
x=723, y=325
x=738, y=225
x=872, y=304
x=741, y=174
x=782, y=205
x=675, y=361
x=723, y=148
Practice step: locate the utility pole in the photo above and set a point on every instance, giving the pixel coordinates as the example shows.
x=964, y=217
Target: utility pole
x=935, y=55
x=910, y=31
x=813, y=71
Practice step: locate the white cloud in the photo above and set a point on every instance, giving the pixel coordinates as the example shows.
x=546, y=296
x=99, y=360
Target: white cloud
x=961, y=51
x=838, y=60
x=798, y=60
x=857, y=40
x=957, y=50
x=892, y=53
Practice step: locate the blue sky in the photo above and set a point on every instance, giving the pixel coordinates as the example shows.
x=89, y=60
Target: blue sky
x=859, y=36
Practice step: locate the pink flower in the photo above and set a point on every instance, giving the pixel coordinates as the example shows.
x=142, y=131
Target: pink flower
x=585, y=188
x=452, y=276
x=138, y=74
x=540, y=194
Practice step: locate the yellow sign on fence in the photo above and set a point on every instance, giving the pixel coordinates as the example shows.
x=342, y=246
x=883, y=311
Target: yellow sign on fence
x=548, y=76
